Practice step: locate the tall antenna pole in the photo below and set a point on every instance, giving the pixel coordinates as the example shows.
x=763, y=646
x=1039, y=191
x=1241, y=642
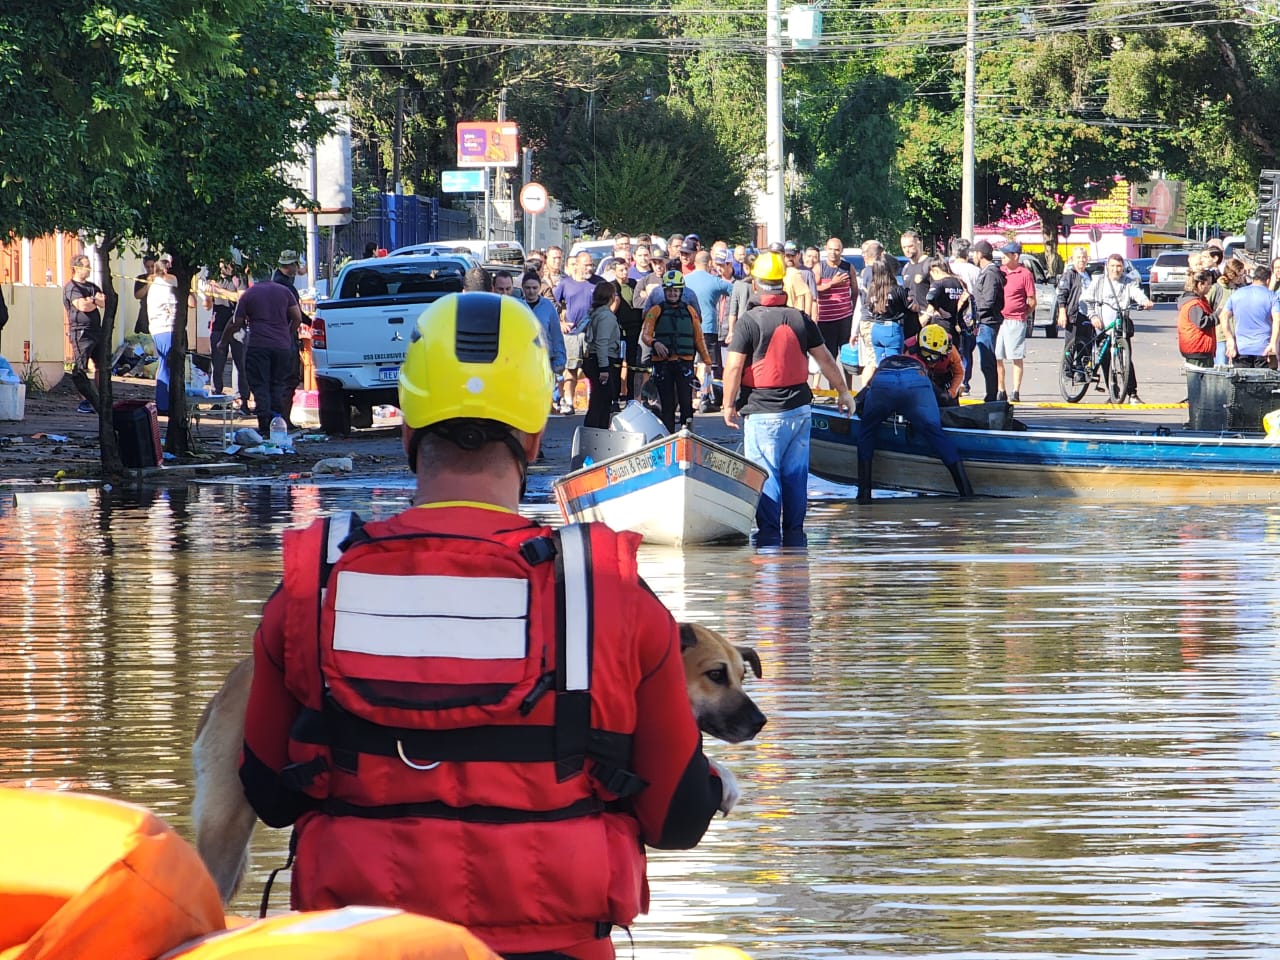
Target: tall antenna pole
x=968, y=175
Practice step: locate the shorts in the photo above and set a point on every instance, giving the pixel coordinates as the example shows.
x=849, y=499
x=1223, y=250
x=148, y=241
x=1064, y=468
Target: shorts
x=575, y=346
x=1011, y=340
x=866, y=350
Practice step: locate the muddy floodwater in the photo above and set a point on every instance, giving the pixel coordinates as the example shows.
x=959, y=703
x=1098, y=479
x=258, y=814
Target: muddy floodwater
x=996, y=729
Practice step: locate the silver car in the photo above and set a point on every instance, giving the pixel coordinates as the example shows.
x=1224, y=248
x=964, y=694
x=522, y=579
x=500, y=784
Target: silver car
x=1046, y=294
x=1168, y=276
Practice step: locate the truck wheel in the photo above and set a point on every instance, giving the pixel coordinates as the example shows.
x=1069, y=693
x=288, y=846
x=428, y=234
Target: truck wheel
x=335, y=408
x=360, y=415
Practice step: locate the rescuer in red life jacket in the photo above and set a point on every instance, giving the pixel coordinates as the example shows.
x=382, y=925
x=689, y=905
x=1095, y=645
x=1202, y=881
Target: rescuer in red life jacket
x=442, y=738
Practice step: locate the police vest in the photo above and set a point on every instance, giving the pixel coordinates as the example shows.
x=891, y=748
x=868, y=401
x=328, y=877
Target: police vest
x=674, y=329
x=467, y=708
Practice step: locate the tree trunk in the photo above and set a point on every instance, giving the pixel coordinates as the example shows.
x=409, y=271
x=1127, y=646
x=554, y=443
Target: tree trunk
x=1049, y=222
x=109, y=451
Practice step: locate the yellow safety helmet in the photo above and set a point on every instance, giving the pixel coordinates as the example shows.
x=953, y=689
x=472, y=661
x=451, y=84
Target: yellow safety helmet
x=673, y=278
x=933, y=339
x=769, y=267
x=477, y=357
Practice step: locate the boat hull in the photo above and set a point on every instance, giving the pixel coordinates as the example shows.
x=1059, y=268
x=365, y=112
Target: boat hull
x=678, y=490
x=1051, y=463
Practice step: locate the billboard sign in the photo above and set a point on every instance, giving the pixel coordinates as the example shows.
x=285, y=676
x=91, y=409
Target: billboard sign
x=1160, y=205
x=462, y=181
x=483, y=144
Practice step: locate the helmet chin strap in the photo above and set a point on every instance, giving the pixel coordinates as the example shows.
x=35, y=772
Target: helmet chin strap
x=473, y=435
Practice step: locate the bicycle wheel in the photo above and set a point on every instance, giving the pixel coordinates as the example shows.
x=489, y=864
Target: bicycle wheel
x=1118, y=370
x=1073, y=372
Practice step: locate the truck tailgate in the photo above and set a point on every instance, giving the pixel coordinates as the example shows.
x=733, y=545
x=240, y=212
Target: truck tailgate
x=366, y=338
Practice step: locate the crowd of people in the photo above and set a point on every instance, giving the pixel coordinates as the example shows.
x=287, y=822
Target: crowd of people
x=1229, y=314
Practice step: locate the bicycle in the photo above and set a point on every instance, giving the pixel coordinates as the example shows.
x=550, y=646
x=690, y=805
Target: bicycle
x=1084, y=364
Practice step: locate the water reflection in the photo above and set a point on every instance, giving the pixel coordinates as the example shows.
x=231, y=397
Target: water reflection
x=996, y=729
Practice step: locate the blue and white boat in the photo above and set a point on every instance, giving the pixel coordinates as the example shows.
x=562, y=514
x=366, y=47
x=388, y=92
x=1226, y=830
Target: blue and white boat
x=679, y=490
x=1055, y=462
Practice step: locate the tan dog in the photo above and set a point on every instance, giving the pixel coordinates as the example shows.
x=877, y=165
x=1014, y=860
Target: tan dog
x=714, y=671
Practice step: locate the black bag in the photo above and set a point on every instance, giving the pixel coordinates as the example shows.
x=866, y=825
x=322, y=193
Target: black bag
x=1126, y=324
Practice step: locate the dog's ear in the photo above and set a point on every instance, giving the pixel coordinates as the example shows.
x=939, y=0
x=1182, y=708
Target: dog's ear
x=753, y=658
x=687, y=637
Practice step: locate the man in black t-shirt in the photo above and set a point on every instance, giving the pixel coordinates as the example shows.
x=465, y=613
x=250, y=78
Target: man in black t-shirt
x=84, y=301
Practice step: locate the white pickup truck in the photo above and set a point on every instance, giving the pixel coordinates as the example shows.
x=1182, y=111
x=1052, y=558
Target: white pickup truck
x=360, y=334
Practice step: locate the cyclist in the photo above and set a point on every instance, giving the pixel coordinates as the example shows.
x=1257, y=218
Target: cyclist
x=1109, y=299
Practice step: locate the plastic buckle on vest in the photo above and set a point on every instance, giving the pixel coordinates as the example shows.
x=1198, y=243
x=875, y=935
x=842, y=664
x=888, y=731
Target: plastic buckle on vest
x=300, y=776
x=621, y=783
x=538, y=550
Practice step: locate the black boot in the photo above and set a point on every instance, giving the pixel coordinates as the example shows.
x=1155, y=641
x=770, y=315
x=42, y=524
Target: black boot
x=963, y=487
x=864, y=481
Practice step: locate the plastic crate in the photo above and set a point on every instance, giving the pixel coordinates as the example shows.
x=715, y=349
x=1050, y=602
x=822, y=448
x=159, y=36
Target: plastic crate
x=1232, y=399
x=137, y=430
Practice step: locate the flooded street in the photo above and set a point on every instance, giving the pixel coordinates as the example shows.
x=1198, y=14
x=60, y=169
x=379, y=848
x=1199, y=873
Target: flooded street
x=997, y=729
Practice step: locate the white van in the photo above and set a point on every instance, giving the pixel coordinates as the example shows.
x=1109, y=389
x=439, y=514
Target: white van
x=509, y=252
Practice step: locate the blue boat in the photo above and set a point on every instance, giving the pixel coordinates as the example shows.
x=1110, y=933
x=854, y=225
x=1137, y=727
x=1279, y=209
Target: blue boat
x=1103, y=465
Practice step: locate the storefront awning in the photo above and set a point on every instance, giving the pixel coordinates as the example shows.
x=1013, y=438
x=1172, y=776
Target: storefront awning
x=1152, y=239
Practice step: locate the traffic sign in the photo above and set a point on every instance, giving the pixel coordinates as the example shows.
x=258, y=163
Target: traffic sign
x=533, y=198
x=462, y=181
x=1095, y=234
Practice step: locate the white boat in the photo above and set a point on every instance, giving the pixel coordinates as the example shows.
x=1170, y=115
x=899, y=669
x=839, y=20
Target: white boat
x=678, y=490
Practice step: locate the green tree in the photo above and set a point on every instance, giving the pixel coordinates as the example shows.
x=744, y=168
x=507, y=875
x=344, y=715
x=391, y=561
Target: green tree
x=148, y=120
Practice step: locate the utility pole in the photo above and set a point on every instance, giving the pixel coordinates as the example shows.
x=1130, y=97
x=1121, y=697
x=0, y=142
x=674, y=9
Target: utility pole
x=398, y=146
x=776, y=204
x=968, y=174
x=500, y=173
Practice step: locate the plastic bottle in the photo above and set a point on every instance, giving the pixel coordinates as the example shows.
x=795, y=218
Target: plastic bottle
x=279, y=432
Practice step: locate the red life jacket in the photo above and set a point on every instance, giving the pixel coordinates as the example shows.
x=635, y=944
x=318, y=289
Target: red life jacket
x=1191, y=339
x=463, y=736
x=784, y=361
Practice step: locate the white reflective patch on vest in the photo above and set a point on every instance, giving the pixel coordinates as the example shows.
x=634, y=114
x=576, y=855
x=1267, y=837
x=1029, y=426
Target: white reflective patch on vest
x=577, y=608
x=468, y=618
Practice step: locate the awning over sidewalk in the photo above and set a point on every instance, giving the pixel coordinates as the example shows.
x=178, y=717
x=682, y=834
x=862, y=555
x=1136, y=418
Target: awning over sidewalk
x=1152, y=239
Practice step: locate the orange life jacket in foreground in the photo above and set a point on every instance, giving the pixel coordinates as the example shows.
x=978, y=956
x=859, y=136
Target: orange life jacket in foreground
x=354, y=933
x=1192, y=340
x=467, y=742
x=84, y=876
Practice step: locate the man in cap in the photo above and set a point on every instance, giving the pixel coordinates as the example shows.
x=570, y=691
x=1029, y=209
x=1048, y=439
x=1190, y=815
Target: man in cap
x=766, y=392
x=688, y=250
x=288, y=266
x=800, y=293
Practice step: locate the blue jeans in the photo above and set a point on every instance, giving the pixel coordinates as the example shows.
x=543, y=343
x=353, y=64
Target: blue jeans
x=779, y=442
x=887, y=339
x=163, y=342
x=909, y=393
x=987, y=358
x=966, y=342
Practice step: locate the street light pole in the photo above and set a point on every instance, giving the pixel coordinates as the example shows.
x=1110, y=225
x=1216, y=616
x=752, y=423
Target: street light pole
x=775, y=201
x=968, y=175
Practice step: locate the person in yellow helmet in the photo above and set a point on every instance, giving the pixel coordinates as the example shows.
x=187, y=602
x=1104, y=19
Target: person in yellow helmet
x=766, y=390
x=463, y=713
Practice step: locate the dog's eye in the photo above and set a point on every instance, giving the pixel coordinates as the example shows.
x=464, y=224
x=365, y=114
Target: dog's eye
x=718, y=675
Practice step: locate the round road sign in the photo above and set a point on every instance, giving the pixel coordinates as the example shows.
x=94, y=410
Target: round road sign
x=533, y=198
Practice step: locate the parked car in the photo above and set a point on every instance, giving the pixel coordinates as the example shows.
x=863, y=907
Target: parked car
x=857, y=263
x=1168, y=276
x=359, y=335
x=1046, y=295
